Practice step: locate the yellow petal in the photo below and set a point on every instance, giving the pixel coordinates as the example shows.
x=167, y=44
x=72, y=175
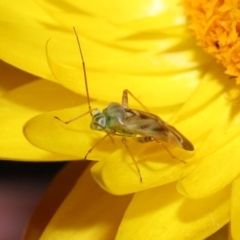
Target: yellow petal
x=117, y=173
x=18, y=13
x=31, y=54
x=199, y=112
x=74, y=139
x=52, y=199
x=113, y=28
x=235, y=209
x=137, y=68
x=31, y=37
x=216, y=158
x=129, y=62
x=124, y=10
x=162, y=213
x=169, y=19
x=111, y=70
x=19, y=105
x=213, y=172
x=87, y=212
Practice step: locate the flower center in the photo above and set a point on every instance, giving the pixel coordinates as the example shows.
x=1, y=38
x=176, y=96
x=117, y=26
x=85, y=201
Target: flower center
x=216, y=24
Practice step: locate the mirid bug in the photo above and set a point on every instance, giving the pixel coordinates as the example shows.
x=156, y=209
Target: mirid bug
x=120, y=120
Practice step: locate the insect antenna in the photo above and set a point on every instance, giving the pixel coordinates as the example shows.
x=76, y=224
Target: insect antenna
x=84, y=71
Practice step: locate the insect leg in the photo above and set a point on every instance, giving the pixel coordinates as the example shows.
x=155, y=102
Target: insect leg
x=124, y=141
x=90, y=150
x=160, y=143
x=125, y=100
x=74, y=119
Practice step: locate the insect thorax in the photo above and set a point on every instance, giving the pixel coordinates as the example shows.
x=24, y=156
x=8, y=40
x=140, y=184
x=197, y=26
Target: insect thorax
x=110, y=119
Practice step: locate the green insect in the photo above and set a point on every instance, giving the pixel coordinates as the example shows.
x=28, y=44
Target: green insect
x=118, y=119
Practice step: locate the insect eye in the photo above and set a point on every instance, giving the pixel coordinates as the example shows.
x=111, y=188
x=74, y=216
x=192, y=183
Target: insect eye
x=102, y=122
x=98, y=121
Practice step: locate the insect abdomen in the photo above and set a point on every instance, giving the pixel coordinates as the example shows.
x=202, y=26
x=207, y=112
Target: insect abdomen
x=144, y=139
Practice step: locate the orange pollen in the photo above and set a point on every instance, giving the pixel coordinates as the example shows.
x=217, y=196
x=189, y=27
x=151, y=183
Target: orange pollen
x=216, y=24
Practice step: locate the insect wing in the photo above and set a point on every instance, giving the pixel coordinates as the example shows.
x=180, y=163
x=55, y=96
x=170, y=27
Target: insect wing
x=178, y=139
x=147, y=124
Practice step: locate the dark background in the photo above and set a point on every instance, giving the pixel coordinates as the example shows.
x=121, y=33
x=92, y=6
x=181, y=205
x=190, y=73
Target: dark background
x=21, y=187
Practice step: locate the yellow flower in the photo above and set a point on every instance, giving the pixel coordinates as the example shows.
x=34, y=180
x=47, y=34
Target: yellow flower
x=144, y=47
